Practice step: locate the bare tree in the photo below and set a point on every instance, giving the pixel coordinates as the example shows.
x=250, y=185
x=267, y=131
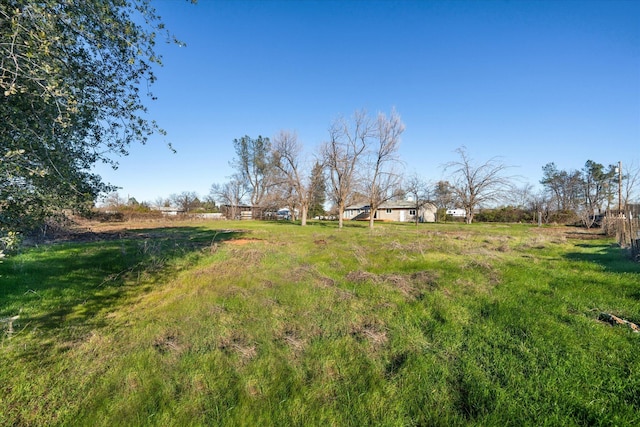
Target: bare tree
x=114, y=200
x=475, y=184
x=287, y=158
x=419, y=191
x=341, y=156
x=162, y=202
x=229, y=195
x=540, y=205
x=381, y=178
x=520, y=197
x=187, y=200
x=631, y=183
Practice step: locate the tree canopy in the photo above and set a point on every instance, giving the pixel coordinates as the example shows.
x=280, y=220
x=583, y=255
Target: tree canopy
x=74, y=76
x=255, y=166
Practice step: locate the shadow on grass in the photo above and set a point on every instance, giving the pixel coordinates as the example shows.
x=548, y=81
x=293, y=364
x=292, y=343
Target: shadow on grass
x=64, y=286
x=320, y=223
x=610, y=256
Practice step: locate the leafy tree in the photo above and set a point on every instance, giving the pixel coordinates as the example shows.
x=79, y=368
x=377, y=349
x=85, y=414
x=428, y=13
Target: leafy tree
x=565, y=187
x=596, y=182
x=71, y=74
x=444, y=198
x=209, y=204
x=255, y=167
x=317, y=192
x=443, y=195
x=584, y=193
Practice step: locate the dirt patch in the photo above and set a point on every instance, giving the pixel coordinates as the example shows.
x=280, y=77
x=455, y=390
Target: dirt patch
x=586, y=235
x=242, y=242
x=567, y=232
x=78, y=229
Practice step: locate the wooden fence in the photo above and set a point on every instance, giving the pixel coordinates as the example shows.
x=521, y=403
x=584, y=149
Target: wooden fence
x=627, y=232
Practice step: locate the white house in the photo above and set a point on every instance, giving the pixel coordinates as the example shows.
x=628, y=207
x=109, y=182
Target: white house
x=399, y=211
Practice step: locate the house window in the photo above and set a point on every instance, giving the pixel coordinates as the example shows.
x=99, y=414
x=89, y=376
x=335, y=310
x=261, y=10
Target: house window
x=388, y=210
x=412, y=212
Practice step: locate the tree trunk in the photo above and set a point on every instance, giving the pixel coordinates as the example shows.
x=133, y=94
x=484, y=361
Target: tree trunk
x=340, y=214
x=303, y=219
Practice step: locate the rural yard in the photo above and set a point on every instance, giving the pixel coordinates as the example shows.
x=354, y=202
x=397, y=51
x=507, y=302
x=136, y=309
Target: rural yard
x=319, y=213
x=270, y=323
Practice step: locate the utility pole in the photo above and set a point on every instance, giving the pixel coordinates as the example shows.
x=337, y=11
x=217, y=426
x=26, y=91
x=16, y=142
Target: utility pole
x=620, y=188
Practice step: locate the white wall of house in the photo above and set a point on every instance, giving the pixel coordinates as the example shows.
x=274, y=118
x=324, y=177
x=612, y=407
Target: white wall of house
x=393, y=211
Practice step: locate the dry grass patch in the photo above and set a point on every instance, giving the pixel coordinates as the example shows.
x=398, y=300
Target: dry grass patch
x=363, y=277
x=293, y=337
x=412, y=286
x=242, y=242
x=236, y=343
x=168, y=343
x=247, y=256
x=370, y=330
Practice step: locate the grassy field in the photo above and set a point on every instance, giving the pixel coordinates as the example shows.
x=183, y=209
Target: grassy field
x=249, y=323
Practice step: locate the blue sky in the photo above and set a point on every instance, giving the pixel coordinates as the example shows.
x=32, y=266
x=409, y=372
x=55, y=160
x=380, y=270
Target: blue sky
x=530, y=81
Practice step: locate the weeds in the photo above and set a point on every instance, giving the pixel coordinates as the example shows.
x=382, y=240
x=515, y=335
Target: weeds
x=284, y=325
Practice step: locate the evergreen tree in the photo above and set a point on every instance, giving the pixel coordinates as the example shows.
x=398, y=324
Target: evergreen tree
x=317, y=191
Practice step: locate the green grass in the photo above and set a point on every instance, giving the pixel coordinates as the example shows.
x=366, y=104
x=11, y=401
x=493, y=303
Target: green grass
x=443, y=324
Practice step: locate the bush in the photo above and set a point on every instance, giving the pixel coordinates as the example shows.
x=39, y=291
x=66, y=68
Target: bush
x=563, y=217
x=124, y=213
x=505, y=214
